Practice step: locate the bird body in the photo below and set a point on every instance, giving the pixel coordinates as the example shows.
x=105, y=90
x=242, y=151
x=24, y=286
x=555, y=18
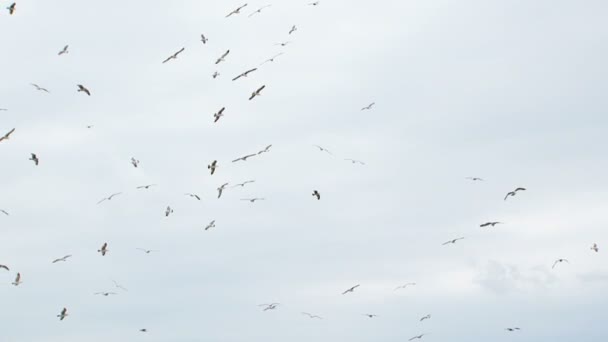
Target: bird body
x=204, y=39
x=64, y=50
x=34, y=158
x=369, y=106
x=259, y=10
x=210, y=225
x=11, y=9
x=488, y=224
x=63, y=314
x=212, y=166
x=168, y=211
x=104, y=249
x=244, y=183
x=40, y=88
x=316, y=194
x=110, y=197
x=293, y=29
x=404, y=286
x=194, y=196
x=145, y=186
x=83, y=89
x=219, y=114
x=134, y=162
x=311, y=315
x=17, y=281
x=252, y=200
x=595, y=248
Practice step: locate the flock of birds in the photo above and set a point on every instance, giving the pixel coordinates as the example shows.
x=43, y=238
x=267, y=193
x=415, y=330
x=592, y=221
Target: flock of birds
x=214, y=165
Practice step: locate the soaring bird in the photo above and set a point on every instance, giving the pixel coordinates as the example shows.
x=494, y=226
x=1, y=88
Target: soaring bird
x=271, y=59
x=595, y=248
x=283, y=43
x=64, y=50
x=83, y=89
x=323, y=149
x=245, y=74
x=65, y=258
x=487, y=224
x=425, y=317
x=215, y=74
x=244, y=158
x=174, y=56
x=475, y=179
x=259, y=10
x=219, y=114
x=370, y=315
x=266, y=149
x=34, y=158
x=210, y=225
x=145, y=186
x=311, y=315
x=40, y=88
x=17, y=280
x=236, y=11
x=514, y=192
x=257, y=92
x=193, y=196
x=204, y=39
x=223, y=57
x=314, y=3
x=316, y=194
x=105, y=294
x=352, y=289
x=110, y=197
x=104, y=249
x=559, y=261
x=244, y=183
x=354, y=161
x=369, y=106
x=452, y=241
x=212, y=166
x=512, y=329
x=220, y=190
x=4, y=267
x=4, y=212
x=404, y=286
x=168, y=211
x=270, y=306
x=293, y=29
x=416, y=337
x=252, y=200
x=63, y=314
x=143, y=330
x=11, y=8
x=7, y=135
x=147, y=251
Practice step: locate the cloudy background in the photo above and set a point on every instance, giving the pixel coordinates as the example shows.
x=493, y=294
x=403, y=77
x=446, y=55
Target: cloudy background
x=511, y=91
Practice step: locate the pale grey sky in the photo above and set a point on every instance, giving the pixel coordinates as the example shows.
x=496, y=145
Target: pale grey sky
x=510, y=91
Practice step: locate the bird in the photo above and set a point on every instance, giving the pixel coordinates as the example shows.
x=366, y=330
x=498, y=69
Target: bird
x=220, y=190
x=487, y=224
x=311, y=315
x=117, y=285
x=65, y=258
x=145, y=186
x=215, y=74
x=252, y=200
x=34, y=158
x=266, y=149
x=135, y=162
x=514, y=192
x=314, y=3
x=244, y=158
x=475, y=179
x=512, y=329
x=354, y=161
x=283, y=43
x=404, y=286
x=369, y=106
x=236, y=11
x=174, y=56
x=4, y=212
x=204, y=39
x=11, y=8
x=40, y=88
x=559, y=261
x=245, y=74
x=147, y=251
x=453, y=241
x=416, y=337
x=352, y=289
x=210, y=225
x=259, y=10
x=593, y=248
x=425, y=317
x=4, y=267
x=244, y=183
x=316, y=194
x=7, y=135
x=257, y=92
x=83, y=89
x=271, y=59
x=110, y=197
x=90, y=126
x=323, y=149
x=168, y=211
x=270, y=306
x=17, y=280
x=370, y=315
x=193, y=196
x=105, y=294
x=63, y=314
x=293, y=29
x=219, y=114
x=64, y=50
x=212, y=166
x=143, y=330
x=104, y=249
x=223, y=57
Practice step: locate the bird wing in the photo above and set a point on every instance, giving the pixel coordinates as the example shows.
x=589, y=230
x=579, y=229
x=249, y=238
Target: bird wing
x=168, y=59
x=180, y=51
x=260, y=89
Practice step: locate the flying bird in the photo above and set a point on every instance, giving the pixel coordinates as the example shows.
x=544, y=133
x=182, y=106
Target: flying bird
x=257, y=92
x=311, y=315
x=404, y=286
x=558, y=261
x=245, y=74
x=293, y=29
x=220, y=190
x=110, y=197
x=316, y=194
x=83, y=89
x=369, y=106
x=135, y=162
x=352, y=289
x=370, y=315
x=174, y=56
x=244, y=158
x=204, y=39
x=65, y=258
x=40, y=88
x=475, y=179
x=236, y=11
x=314, y=3
x=244, y=183
x=210, y=225
x=7, y=135
x=593, y=248
x=168, y=211
x=219, y=114
x=105, y=294
x=416, y=337
x=64, y=50
x=147, y=251
x=193, y=196
x=514, y=192
x=223, y=57
x=63, y=314
x=271, y=59
x=487, y=224
x=104, y=249
x=4, y=267
x=252, y=200
x=145, y=186
x=452, y=241
x=323, y=149
x=34, y=158
x=259, y=10
x=17, y=280
x=215, y=74
x=143, y=330
x=283, y=43
x=425, y=317
x=512, y=329
x=212, y=166
x=11, y=8
x=354, y=161
x=270, y=306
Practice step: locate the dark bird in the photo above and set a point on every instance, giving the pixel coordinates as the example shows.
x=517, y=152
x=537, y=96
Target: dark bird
x=65, y=258
x=316, y=194
x=34, y=158
x=453, y=241
x=105, y=294
x=236, y=11
x=109, y=197
x=4, y=267
x=514, y=192
x=145, y=186
x=223, y=57
x=40, y=88
x=425, y=317
x=369, y=106
x=259, y=10
x=257, y=92
x=323, y=149
x=204, y=39
x=512, y=329
x=314, y=3
x=293, y=29
x=266, y=149
x=194, y=196
x=244, y=183
x=475, y=179
x=143, y=330
x=271, y=59
x=17, y=280
x=354, y=161
x=416, y=337
x=558, y=261
x=270, y=306
x=147, y=251
x=219, y=114
x=245, y=74
x=210, y=225
x=212, y=166
x=252, y=200
x=63, y=314
x=4, y=212
x=174, y=56
x=7, y=135
x=370, y=315
x=244, y=158
x=487, y=224
x=168, y=211
x=64, y=50
x=283, y=43
x=135, y=162
x=311, y=315
x=220, y=190
x=104, y=249
x=593, y=248
x=404, y=286
x=11, y=8
x=352, y=289
x=83, y=89
x=215, y=75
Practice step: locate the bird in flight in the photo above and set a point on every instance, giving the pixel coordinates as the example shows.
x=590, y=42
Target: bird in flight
x=369, y=106
x=236, y=11
x=316, y=194
x=34, y=158
x=252, y=200
x=244, y=183
x=370, y=315
x=4, y=267
x=210, y=225
x=65, y=258
x=293, y=29
x=488, y=224
x=143, y=330
x=220, y=190
x=452, y=241
x=512, y=329
x=83, y=89
x=314, y=3
x=212, y=166
x=215, y=74
x=283, y=43
x=64, y=50
x=475, y=179
x=168, y=211
x=354, y=161
x=7, y=135
x=352, y=289
x=11, y=8
x=558, y=261
x=270, y=306
x=404, y=286
x=257, y=92
x=147, y=251
x=245, y=74
x=514, y=192
x=219, y=114
x=223, y=57
x=110, y=197
x=145, y=186
x=105, y=294
x=593, y=248
x=244, y=158
x=416, y=337
x=311, y=315
x=204, y=39
x=104, y=249
x=135, y=162
x=323, y=149
x=259, y=10
x=271, y=59
x=174, y=56
x=193, y=196
x=40, y=88
x=17, y=280
x=266, y=149
x=63, y=314
x=425, y=317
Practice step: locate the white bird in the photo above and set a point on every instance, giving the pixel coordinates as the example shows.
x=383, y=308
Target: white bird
x=257, y=92
x=244, y=74
x=220, y=190
x=404, y=286
x=369, y=106
x=514, y=192
x=17, y=280
x=83, y=89
x=105, y=294
x=311, y=315
x=252, y=200
x=193, y=196
x=219, y=114
x=210, y=225
x=270, y=306
x=40, y=88
x=104, y=249
x=316, y=194
x=7, y=135
x=64, y=50
x=11, y=8
x=558, y=261
x=593, y=248
x=109, y=197
x=354, y=161
x=174, y=56
x=370, y=315
x=323, y=149
x=145, y=186
x=259, y=10
x=147, y=251
x=271, y=59
x=283, y=43
x=452, y=241
x=314, y=3
x=244, y=183
x=293, y=29
x=352, y=289
x=475, y=179
x=168, y=211
x=223, y=57
x=236, y=11
x=212, y=166
x=65, y=258
x=63, y=314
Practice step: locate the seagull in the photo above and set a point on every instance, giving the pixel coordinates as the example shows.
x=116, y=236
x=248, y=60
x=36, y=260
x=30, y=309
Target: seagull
x=90, y=126
x=593, y=248
x=83, y=89
x=119, y=286
x=514, y=192
x=104, y=249
x=256, y=93
x=11, y=8
x=244, y=158
x=270, y=306
x=314, y=3
x=7, y=135
x=416, y=337
x=425, y=317
x=236, y=11
x=17, y=280
x=212, y=166
x=143, y=330
x=559, y=261
x=370, y=315
x=283, y=43
x=215, y=74
x=110, y=197
x=512, y=329
x=489, y=224
x=293, y=29
x=259, y=10
x=219, y=114
x=210, y=225
x=453, y=241
x=65, y=258
x=354, y=161
x=323, y=149
x=147, y=251
x=352, y=289
x=105, y=294
x=168, y=211
x=221, y=189
x=5, y=267
x=252, y=200
x=65, y=50
x=34, y=158
x=475, y=179
x=316, y=194
x=63, y=314
x=145, y=186
x=244, y=183
x=204, y=39
x=174, y=56
x=245, y=74
x=40, y=88
x=266, y=149
x=223, y=57
x=135, y=162
x=271, y=59
x=4, y=212
x=369, y=106
x=311, y=315
x=193, y=196
x=404, y=286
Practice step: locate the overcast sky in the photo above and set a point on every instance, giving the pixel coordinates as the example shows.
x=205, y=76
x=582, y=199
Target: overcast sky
x=513, y=92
